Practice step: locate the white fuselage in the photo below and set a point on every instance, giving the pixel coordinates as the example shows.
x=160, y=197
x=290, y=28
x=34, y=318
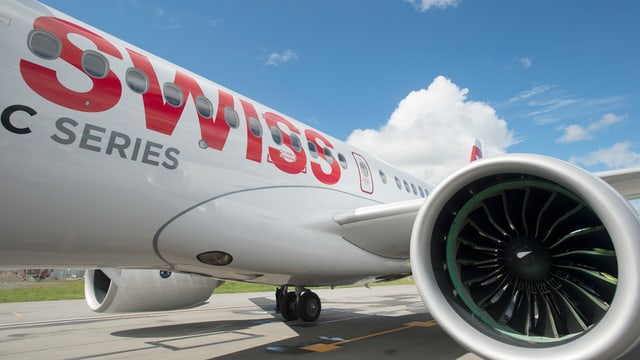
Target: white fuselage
x=98, y=171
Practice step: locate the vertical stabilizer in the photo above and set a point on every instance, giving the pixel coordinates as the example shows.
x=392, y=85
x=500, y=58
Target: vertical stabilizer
x=476, y=150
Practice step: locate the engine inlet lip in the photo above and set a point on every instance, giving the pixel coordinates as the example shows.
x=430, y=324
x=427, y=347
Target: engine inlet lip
x=610, y=337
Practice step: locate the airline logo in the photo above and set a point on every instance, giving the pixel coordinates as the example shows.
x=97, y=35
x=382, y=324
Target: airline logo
x=163, y=107
x=476, y=151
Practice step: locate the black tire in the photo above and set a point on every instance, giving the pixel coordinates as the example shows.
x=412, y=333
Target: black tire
x=309, y=307
x=289, y=306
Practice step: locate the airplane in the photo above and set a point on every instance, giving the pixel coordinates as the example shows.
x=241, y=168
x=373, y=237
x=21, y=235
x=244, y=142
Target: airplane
x=163, y=184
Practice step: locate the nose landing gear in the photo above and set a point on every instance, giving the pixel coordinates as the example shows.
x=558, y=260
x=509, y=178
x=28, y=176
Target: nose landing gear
x=300, y=304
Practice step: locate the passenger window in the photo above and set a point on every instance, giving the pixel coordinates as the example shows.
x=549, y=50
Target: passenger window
x=137, y=80
x=383, y=176
x=342, y=160
x=295, y=143
x=276, y=135
x=415, y=191
x=231, y=117
x=421, y=191
x=255, y=127
x=406, y=186
x=95, y=64
x=398, y=183
x=328, y=155
x=173, y=94
x=313, y=150
x=44, y=44
x=204, y=107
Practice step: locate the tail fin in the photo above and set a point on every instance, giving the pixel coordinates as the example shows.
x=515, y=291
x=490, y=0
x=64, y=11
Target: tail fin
x=476, y=150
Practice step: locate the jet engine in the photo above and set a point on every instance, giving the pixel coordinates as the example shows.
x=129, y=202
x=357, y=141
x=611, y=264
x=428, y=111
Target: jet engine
x=528, y=257
x=128, y=290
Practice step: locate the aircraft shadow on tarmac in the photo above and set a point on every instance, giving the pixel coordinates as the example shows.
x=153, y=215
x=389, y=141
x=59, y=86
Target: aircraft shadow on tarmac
x=341, y=333
x=187, y=329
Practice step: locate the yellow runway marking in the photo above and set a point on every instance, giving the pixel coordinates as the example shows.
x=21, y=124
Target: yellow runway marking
x=337, y=345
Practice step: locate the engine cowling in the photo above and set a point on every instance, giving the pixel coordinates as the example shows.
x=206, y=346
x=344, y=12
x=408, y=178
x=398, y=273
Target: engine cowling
x=128, y=290
x=528, y=257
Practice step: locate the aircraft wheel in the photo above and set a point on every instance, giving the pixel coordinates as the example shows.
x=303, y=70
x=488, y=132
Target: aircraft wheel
x=309, y=306
x=289, y=306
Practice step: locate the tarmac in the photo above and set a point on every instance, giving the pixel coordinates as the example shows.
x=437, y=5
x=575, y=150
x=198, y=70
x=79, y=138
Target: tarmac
x=356, y=323
x=381, y=322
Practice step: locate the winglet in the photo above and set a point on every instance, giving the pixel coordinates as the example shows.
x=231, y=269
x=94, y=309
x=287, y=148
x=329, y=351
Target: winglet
x=476, y=150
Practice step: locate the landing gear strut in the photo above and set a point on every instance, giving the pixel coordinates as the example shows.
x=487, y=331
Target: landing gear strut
x=300, y=304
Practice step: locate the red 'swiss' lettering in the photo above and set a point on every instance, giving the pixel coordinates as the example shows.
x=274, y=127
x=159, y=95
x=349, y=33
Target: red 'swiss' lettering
x=163, y=117
x=280, y=158
x=254, y=141
x=162, y=114
x=105, y=92
x=334, y=175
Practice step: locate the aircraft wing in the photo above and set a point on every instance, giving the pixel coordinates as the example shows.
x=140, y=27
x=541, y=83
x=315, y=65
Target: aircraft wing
x=625, y=181
x=384, y=229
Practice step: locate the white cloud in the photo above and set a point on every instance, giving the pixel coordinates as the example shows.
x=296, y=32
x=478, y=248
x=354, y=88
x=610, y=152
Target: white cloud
x=424, y=5
x=574, y=132
x=168, y=23
x=158, y=11
x=605, y=121
x=431, y=131
x=619, y=155
x=276, y=59
x=550, y=104
x=545, y=109
x=535, y=91
x=526, y=62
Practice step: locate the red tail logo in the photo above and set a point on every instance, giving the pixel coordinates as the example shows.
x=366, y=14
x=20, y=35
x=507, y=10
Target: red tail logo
x=476, y=150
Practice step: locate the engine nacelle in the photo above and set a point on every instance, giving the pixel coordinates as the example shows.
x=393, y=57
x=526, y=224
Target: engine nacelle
x=129, y=290
x=528, y=257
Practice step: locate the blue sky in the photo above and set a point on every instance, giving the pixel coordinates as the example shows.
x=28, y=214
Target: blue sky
x=419, y=78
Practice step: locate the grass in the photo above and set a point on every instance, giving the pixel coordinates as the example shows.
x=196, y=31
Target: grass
x=70, y=290
x=43, y=291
